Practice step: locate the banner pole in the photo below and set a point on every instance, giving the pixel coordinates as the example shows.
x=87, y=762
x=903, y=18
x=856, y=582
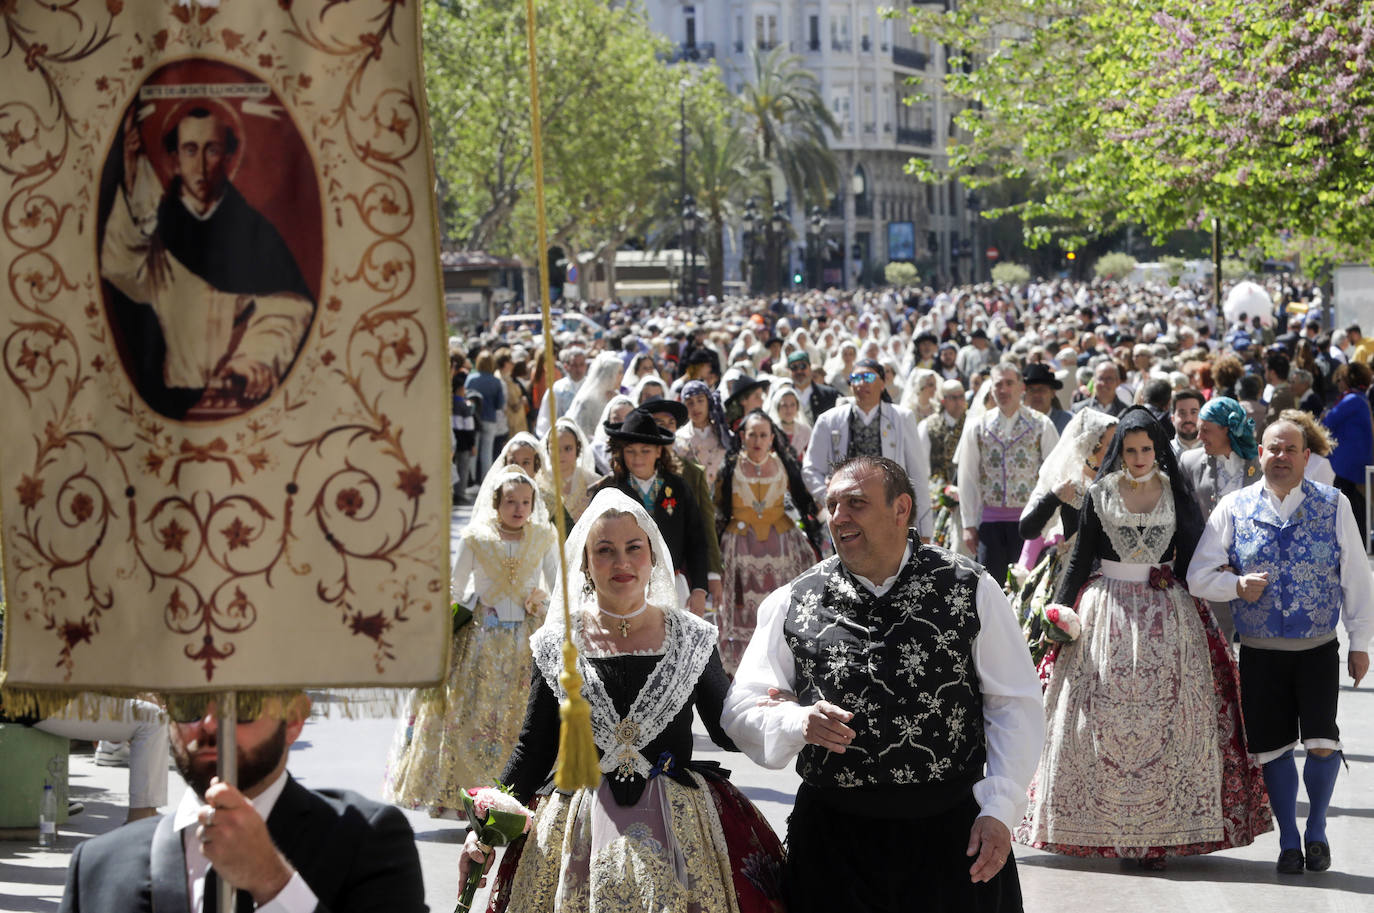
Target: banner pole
x=227, y=752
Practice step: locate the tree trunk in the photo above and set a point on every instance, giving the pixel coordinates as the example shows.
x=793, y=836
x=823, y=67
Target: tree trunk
x=715, y=254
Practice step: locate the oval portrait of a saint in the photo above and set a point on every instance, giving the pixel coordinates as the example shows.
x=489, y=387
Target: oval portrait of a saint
x=209, y=239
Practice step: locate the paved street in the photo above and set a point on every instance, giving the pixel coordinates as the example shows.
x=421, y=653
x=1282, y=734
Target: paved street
x=337, y=752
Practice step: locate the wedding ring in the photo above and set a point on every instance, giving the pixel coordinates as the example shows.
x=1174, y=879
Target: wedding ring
x=208, y=818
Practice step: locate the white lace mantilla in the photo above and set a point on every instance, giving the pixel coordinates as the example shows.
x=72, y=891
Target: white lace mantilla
x=687, y=645
x=1137, y=538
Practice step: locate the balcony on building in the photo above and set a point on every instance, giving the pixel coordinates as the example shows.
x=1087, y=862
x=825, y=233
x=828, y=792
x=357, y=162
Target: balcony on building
x=695, y=52
x=838, y=44
x=912, y=136
x=909, y=58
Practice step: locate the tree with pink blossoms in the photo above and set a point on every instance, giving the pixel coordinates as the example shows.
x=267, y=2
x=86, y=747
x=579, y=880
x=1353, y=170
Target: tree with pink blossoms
x=1168, y=113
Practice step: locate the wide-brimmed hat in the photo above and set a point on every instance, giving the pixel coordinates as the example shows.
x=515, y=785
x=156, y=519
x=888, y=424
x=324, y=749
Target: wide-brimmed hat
x=660, y=406
x=744, y=385
x=1041, y=374
x=639, y=427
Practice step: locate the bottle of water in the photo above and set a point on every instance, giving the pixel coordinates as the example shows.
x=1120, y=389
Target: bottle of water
x=47, y=818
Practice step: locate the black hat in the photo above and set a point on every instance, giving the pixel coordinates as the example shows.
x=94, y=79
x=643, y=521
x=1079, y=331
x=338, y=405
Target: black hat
x=871, y=364
x=978, y=333
x=660, y=406
x=639, y=427
x=774, y=340
x=1041, y=374
x=744, y=385
x=926, y=337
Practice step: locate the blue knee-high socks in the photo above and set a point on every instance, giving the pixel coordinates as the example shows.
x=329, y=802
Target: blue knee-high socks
x=1281, y=779
x=1319, y=776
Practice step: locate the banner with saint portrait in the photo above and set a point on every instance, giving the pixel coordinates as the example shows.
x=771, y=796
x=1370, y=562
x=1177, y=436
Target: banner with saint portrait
x=224, y=397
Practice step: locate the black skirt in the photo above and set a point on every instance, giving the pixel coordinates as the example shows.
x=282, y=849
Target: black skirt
x=837, y=860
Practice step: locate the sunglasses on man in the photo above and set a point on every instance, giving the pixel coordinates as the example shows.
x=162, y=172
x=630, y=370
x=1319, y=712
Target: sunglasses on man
x=863, y=377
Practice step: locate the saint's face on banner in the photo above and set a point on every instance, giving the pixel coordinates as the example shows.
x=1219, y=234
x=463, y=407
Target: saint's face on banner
x=210, y=242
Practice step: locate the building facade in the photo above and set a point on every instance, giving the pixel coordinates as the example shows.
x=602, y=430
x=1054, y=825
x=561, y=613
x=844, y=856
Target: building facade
x=884, y=87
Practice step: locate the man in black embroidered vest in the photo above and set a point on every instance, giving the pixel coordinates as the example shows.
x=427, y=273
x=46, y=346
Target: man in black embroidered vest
x=897, y=676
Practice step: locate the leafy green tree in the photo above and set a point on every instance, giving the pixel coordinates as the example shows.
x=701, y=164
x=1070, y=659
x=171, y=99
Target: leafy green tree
x=1168, y=113
x=606, y=95
x=786, y=120
x=1010, y=274
x=899, y=273
x=1115, y=265
x=723, y=171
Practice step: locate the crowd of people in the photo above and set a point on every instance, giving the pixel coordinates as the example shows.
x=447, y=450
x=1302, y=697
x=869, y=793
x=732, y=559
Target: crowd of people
x=1061, y=565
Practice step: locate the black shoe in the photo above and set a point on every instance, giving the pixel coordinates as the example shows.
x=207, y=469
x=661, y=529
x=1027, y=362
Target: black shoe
x=1318, y=856
x=1290, y=862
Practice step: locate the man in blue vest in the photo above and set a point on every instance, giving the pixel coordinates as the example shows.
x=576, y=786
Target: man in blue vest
x=1285, y=551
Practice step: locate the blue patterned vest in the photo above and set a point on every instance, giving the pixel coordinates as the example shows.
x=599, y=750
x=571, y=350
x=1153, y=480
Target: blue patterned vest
x=1301, y=556
x=902, y=663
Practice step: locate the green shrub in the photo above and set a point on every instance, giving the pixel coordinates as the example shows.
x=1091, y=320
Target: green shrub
x=899, y=272
x=1010, y=274
x=1116, y=265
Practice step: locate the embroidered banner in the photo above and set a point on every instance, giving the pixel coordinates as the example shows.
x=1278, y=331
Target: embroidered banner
x=225, y=458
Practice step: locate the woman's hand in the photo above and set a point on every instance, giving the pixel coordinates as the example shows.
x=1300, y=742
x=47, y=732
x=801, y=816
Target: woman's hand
x=536, y=603
x=474, y=853
x=1067, y=491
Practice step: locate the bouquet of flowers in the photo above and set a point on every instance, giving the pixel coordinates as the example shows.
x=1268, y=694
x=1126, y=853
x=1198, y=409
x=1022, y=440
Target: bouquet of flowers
x=948, y=497
x=1062, y=624
x=498, y=820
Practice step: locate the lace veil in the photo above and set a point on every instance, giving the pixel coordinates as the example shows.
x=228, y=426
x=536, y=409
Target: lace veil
x=522, y=439
x=584, y=448
x=601, y=383
x=1076, y=445
x=484, y=514
x=661, y=590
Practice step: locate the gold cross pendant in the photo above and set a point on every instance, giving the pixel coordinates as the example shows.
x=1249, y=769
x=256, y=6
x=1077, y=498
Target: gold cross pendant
x=624, y=627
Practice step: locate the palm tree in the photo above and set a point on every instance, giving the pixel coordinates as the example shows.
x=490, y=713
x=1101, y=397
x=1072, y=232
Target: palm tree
x=789, y=127
x=724, y=171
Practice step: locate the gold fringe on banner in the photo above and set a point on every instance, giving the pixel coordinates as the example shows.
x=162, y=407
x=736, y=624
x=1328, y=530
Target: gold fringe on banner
x=577, y=764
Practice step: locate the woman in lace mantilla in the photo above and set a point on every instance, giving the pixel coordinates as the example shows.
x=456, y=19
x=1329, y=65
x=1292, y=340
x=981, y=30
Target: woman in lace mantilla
x=458, y=735
x=660, y=832
x=1049, y=522
x=761, y=546
x=1145, y=755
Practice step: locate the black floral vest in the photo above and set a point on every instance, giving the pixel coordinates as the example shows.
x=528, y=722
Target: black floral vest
x=902, y=663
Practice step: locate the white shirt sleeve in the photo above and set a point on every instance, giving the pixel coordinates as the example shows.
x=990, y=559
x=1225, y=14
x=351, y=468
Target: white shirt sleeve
x=816, y=462
x=296, y=897
x=1207, y=578
x=1013, y=707
x=461, y=583
x=769, y=736
x=1357, y=583
x=917, y=458
x=970, y=495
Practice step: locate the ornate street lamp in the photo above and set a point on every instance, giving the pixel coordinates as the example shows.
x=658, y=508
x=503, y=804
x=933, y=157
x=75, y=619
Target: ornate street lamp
x=815, y=233
x=777, y=225
x=690, y=220
x=750, y=224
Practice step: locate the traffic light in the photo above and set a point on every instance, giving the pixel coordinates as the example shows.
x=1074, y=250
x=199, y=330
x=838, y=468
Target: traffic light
x=797, y=278
x=1071, y=256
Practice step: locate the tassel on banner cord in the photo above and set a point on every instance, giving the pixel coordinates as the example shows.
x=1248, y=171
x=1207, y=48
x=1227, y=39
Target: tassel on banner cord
x=577, y=764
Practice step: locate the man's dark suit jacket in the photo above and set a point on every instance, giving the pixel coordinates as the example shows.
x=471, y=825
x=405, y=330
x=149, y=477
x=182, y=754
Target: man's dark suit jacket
x=823, y=398
x=682, y=529
x=355, y=854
